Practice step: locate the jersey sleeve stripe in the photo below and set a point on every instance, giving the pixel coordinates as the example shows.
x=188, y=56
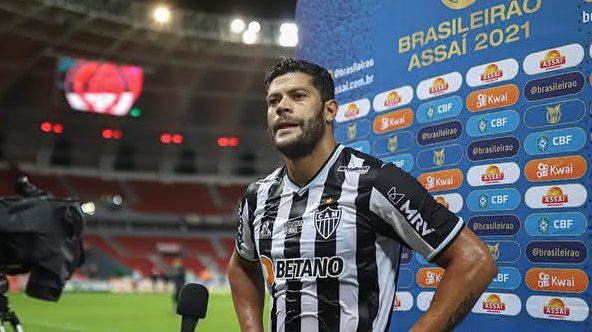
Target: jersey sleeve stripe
x=241, y=255
x=459, y=226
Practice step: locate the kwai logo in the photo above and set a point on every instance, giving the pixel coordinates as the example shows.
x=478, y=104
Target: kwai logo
x=494, y=148
x=493, y=123
x=556, y=224
x=440, y=109
x=559, y=308
x=429, y=277
x=557, y=280
x=555, y=141
x=553, y=59
x=492, y=174
x=495, y=225
x=499, y=71
x=441, y=180
x=553, y=169
x=554, y=114
x=493, y=200
x=393, y=98
x=557, y=196
x=499, y=96
x=353, y=110
x=498, y=304
x=439, y=157
x=393, y=121
x=439, y=85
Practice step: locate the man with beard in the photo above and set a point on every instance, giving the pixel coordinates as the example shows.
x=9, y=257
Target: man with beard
x=324, y=232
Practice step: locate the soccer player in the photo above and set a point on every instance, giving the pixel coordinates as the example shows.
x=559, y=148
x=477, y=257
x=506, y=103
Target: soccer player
x=324, y=232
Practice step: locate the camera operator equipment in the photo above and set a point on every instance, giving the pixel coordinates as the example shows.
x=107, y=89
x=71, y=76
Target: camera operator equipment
x=39, y=235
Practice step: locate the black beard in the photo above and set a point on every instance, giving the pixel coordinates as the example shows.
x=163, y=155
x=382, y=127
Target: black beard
x=304, y=145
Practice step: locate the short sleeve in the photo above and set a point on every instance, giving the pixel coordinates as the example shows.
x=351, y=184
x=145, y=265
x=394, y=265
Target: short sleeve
x=403, y=203
x=245, y=242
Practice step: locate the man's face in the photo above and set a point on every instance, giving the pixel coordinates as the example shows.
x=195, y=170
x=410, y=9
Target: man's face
x=295, y=114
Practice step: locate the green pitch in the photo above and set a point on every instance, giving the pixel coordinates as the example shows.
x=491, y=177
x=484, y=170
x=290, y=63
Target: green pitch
x=118, y=313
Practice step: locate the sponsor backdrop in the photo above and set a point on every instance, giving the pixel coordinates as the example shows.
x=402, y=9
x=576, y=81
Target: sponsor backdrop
x=487, y=103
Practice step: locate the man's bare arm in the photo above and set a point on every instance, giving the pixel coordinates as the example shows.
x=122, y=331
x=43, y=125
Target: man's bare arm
x=246, y=283
x=469, y=270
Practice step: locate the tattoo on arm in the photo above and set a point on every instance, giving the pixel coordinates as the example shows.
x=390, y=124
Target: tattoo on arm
x=460, y=313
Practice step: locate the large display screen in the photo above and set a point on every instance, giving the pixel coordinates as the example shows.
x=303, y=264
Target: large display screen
x=100, y=87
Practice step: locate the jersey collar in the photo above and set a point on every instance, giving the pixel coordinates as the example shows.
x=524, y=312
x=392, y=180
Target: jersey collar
x=321, y=173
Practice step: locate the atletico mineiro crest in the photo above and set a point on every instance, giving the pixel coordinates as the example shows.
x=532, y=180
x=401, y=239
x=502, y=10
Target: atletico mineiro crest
x=326, y=221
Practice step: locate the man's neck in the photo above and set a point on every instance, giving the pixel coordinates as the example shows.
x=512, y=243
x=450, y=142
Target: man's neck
x=302, y=170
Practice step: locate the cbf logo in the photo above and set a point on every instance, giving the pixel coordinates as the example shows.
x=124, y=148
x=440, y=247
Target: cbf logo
x=483, y=201
x=326, y=221
x=542, y=143
x=482, y=125
x=543, y=225
x=555, y=141
x=493, y=199
x=430, y=112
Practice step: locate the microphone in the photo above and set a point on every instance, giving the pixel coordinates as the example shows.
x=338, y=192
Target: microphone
x=192, y=305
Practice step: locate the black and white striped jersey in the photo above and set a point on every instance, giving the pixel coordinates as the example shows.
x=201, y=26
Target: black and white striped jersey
x=330, y=249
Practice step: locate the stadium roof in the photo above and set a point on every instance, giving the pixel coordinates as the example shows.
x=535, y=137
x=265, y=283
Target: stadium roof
x=199, y=80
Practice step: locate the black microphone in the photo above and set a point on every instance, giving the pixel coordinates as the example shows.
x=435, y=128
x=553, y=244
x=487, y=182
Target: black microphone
x=192, y=305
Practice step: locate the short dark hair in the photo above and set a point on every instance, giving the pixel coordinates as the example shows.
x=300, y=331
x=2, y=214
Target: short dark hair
x=321, y=79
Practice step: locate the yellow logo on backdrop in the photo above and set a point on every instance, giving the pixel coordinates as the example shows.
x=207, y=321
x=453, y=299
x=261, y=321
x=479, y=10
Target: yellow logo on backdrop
x=494, y=250
x=554, y=114
x=393, y=143
x=439, y=157
x=461, y=4
x=352, y=131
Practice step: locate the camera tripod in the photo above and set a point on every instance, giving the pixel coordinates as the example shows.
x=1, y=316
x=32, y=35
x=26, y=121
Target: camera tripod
x=7, y=315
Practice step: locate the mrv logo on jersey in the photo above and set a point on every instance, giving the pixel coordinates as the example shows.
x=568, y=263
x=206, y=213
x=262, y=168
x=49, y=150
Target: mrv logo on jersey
x=412, y=216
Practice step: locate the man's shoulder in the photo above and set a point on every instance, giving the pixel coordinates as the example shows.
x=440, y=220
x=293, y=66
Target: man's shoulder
x=363, y=163
x=376, y=171
x=271, y=178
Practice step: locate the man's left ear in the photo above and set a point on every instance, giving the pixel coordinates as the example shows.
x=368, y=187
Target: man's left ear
x=331, y=108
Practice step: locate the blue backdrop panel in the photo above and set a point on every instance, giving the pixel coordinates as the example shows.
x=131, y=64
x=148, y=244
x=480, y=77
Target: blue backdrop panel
x=488, y=104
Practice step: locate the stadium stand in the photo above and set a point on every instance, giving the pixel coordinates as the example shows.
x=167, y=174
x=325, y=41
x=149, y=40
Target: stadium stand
x=88, y=188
